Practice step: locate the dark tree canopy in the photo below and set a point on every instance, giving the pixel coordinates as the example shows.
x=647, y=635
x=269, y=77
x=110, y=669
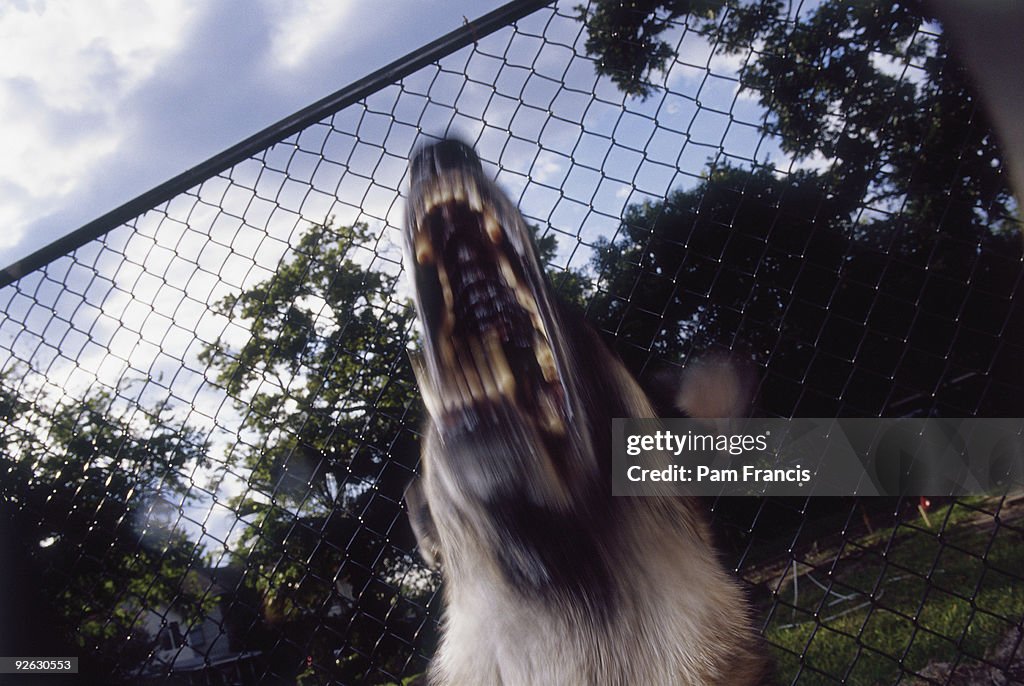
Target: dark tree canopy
x=326, y=393
x=770, y=269
x=623, y=37
x=871, y=88
x=83, y=487
x=846, y=284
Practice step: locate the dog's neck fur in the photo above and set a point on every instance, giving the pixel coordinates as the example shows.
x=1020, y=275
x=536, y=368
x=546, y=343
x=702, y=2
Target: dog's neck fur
x=677, y=619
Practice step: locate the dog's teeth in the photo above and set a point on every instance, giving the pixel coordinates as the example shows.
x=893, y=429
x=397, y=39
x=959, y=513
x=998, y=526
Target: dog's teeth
x=466, y=397
x=507, y=272
x=490, y=387
x=419, y=213
x=546, y=359
x=424, y=249
x=493, y=228
x=476, y=388
x=447, y=351
x=526, y=301
x=499, y=363
x=457, y=189
x=473, y=196
x=523, y=295
x=436, y=195
x=551, y=418
x=446, y=290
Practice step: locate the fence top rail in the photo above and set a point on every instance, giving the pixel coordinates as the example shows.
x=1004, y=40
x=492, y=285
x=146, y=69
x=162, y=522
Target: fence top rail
x=457, y=39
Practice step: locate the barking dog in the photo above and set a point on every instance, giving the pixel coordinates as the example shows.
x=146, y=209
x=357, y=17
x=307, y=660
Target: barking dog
x=549, y=579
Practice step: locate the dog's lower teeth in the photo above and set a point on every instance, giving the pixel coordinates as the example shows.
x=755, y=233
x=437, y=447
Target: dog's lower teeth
x=545, y=359
x=487, y=381
x=502, y=371
x=551, y=419
x=476, y=388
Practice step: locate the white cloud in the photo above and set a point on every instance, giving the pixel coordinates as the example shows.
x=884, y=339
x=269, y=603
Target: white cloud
x=65, y=69
x=300, y=29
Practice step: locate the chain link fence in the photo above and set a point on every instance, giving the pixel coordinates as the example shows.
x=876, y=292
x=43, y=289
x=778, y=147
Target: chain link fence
x=209, y=419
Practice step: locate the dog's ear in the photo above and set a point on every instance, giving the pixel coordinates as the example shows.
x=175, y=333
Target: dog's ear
x=422, y=523
x=714, y=389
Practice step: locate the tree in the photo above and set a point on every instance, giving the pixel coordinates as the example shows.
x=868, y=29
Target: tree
x=330, y=413
x=848, y=285
x=872, y=90
x=710, y=266
x=623, y=37
x=329, y=418
x=79, y=484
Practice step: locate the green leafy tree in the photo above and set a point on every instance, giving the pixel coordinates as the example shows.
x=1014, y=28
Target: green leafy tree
x=873, y=90
x=329, y=418
x=860, y=267
x=82, y=485
x=330, y=415
x=624, y=37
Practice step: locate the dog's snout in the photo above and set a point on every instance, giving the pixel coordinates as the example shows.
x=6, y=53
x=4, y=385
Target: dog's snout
x=443, y=156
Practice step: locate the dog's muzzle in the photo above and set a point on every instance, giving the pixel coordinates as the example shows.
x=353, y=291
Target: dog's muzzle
x=481, y=298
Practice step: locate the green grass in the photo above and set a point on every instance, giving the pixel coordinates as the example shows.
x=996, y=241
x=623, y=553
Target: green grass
x=900, y=599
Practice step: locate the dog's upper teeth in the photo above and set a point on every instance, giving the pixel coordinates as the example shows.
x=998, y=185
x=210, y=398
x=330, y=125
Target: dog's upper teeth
x=523, y=295
x=473, y=196
x=551, y=418
x=424, y=249
x=507, y=272
x=456, y=190
x=446, y=290
x=492, y=227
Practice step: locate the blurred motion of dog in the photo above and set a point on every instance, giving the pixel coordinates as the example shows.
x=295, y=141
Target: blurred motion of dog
x=549, y=579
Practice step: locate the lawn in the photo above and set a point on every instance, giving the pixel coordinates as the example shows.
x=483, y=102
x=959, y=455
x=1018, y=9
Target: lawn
x=946, y=588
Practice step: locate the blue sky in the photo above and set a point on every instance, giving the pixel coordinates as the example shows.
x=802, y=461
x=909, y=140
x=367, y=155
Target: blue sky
x=102, y=100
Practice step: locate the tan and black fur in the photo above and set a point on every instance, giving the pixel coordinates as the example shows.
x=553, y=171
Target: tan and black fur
x=548, y=578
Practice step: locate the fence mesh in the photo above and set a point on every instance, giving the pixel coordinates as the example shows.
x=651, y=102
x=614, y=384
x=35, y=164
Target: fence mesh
x=208, y=417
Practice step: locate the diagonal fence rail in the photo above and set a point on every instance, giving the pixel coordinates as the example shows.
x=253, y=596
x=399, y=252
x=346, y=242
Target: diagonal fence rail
x=208, y=418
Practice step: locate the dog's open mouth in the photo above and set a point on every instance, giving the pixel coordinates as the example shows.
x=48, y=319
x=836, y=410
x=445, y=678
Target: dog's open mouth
x=480, y=296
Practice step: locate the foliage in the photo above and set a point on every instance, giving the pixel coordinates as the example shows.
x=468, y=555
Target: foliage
x=329, y=402
x=623, y=37
x=84, y=485
x=856, y=267
x=874, y=89
x=328, y=397
x=704, y=267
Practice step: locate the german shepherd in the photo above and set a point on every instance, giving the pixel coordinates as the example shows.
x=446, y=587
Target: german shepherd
x=548, y=578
